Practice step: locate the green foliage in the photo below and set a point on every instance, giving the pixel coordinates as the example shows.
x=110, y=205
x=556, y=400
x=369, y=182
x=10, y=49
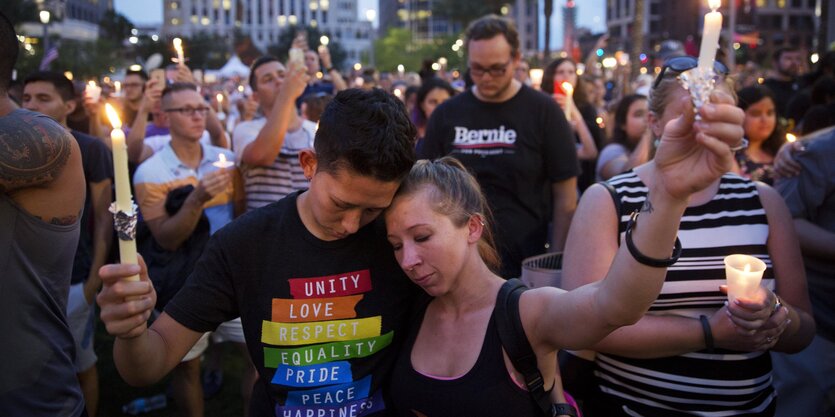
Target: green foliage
x=285, y=39
x=465, y=11
x=114, y=26
x=204, y=51
x=19, y=11
x=397, y=48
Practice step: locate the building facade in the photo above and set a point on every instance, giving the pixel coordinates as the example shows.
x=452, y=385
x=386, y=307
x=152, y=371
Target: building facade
x=265, y=20
x=772, y=23
x=417, y=17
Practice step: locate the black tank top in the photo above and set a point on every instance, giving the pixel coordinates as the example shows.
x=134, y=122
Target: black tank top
x=485, y=390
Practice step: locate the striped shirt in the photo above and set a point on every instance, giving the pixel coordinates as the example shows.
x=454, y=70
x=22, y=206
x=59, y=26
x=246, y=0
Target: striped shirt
x=267, y=184
x=722, y=383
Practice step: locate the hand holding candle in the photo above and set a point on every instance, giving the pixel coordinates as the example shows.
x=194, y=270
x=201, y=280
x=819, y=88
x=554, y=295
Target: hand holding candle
x=124, y=211
x=744, y=274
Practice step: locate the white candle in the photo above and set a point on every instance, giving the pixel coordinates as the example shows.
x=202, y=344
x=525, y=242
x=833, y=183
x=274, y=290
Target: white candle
x=118, y=86
x=710, y=36
x=536, y=77
x=219, y=102
x=569, y=98
x=124, y=200
x=744, y=274
x=222, y=162
x=93, y=91
x=178, y=46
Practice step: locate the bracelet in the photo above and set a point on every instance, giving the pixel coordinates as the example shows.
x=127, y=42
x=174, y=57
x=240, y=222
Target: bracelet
x=778, y=304
x=646, y=260
x=707, y=332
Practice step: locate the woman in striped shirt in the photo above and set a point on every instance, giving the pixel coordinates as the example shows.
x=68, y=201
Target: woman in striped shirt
x=692, y=354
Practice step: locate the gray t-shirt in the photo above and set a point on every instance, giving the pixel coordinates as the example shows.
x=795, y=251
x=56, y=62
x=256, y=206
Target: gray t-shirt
x=811, y=196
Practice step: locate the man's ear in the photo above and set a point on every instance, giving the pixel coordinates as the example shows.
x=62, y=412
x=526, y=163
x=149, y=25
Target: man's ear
x=69, y=107
x=308, y=161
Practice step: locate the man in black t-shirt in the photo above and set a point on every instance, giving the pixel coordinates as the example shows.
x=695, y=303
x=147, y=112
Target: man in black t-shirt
x=321, y=298
x=52, y=94
x=784, y=81
x=516, y=142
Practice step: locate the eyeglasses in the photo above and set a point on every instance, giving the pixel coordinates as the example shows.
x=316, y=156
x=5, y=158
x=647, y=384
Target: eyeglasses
x=189, y=111
x=680, y=64
x=495, y=71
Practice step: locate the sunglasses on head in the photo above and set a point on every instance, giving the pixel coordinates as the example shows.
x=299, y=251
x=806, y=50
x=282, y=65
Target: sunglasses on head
x=680, y=64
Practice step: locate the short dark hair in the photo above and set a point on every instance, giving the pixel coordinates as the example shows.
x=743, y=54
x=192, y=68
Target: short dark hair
x=176, y=87
x=782, y=50
x=141, y=73
x=9, y=48
x=253, y=80
x=490, y=26
x=368, y=132
x=62, y=84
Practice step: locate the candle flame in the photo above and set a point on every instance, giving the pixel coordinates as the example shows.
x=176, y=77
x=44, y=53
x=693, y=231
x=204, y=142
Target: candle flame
x=747, y=268
x=178, y=43
x=112, y=116
x=714, y=4
x=222, y=158
x=91, y=83
x=220, y=97
x=568, y=88
x=790, y=138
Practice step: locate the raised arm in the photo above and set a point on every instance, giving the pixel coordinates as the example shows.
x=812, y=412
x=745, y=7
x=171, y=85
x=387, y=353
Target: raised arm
x=690, y=158
x=143, y=356
x=283, y=116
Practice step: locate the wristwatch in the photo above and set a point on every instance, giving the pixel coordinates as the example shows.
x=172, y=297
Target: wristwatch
x=563, y=409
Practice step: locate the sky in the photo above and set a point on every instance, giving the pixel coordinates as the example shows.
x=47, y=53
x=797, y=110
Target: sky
x=590, y=14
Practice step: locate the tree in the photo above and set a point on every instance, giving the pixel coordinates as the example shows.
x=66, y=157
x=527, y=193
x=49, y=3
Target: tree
x=285, y=40
x=115, y=26
x=397, y=48
x=19, y=11
x=465, y=11
x=205, y=50
x=637, y=37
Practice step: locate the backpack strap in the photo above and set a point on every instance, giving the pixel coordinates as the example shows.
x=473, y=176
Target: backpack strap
x=515, y=342
x=618, y=209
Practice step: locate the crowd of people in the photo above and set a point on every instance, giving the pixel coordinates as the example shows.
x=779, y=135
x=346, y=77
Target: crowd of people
x=354, y=244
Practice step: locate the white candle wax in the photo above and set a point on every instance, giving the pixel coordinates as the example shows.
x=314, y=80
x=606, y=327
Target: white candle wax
x=124, y=200
x=710, y=36
x=222, y=162
x=178, y=46
x=744, y=274
x=569, y=99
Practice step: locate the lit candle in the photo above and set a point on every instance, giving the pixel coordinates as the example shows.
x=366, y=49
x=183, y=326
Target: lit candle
x=118, y=86
x=569, y=98
x=219, y=102
x=178, y=46
x=92, y=91
x=222, y=162
x=536, y=77
x=744, y=274
x=710, y=36
x=790, y=138
x=124, y=200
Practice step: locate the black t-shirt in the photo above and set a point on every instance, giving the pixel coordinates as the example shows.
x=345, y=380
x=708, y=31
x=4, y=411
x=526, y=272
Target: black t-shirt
x=516, y=149
x=97, y=162
x=323, y=320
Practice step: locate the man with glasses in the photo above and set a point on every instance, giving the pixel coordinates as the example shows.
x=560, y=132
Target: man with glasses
x=127, y=107
x=184, y=162
x=515, y=140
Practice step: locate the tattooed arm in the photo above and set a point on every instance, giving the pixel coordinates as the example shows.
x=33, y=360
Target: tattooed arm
x=40, y=167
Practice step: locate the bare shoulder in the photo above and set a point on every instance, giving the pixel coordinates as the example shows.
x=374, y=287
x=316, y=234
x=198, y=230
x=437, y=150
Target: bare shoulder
x=34, y=149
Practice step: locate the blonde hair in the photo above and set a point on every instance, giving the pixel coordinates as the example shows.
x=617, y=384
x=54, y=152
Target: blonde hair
x=456, y=194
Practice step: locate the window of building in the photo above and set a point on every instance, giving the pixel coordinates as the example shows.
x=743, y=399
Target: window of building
x=175, y=21
x=174, y=5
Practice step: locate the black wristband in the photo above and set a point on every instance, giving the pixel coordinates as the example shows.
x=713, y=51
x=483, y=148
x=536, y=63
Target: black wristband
x=646, y=260
x=707, y=332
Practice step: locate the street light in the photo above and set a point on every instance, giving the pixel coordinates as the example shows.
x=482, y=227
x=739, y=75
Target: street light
x=44, y=16
x=370, y=15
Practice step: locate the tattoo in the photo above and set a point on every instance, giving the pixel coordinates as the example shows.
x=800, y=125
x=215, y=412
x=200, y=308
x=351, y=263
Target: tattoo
x=647, y=207
x=61, y=221
x=33, y=150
